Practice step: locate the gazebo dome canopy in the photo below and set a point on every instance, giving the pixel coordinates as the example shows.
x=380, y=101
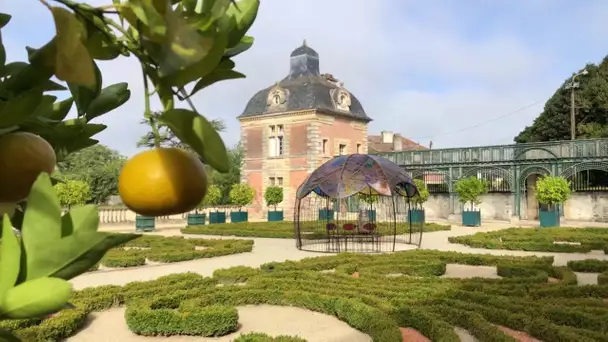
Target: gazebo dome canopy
x=344, y=176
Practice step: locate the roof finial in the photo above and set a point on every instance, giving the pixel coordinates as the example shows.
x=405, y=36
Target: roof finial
x=304, y=43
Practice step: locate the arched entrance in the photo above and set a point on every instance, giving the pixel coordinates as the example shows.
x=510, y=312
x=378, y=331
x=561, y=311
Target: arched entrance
x=529, y=204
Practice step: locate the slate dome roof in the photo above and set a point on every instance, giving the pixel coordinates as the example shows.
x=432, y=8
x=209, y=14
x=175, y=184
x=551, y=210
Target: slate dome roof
x=305, y=88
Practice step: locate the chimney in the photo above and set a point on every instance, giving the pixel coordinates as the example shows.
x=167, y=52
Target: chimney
x=387, y=137
x=397, y=143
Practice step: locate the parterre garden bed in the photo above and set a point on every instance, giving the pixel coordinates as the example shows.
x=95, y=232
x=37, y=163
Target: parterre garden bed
x=280, y=230
x=388, y=292
x=150, y=248
x=566, y=240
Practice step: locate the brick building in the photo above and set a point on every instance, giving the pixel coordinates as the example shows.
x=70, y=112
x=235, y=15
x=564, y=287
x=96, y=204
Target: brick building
x=292, y=127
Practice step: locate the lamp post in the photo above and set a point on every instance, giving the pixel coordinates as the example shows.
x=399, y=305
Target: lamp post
x=572, y=85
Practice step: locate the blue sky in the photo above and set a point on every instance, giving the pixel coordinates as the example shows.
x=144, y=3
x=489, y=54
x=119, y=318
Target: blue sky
x=425, y=69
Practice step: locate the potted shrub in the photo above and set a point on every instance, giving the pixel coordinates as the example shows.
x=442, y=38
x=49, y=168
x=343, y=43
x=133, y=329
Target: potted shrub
x=551, y=192
x=416, y=212
x=469, y=192
x=240, y=195
x=327, y=213
x=369, y=199
x=273, y=197
x=213, y=198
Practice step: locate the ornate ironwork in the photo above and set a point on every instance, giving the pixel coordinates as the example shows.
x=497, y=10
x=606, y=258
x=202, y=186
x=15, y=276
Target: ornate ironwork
x=508, y=167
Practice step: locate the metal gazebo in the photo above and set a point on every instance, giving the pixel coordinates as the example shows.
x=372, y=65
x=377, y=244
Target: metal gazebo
x=356, y=203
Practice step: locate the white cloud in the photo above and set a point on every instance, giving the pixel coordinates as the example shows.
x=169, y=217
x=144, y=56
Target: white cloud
x=419, y=68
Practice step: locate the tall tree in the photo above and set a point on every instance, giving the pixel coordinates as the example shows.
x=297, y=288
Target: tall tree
x=591, y=102
x=167, y=137
x=99, y=166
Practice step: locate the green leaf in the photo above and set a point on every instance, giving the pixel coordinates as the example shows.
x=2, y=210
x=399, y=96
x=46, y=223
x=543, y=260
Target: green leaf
x=109, y=99
x=194, y=130
x=42, y=220
x=203, y=67
x=94, y=252
x=84, y=218
x=101, y=42
x=36, y=298
x=2, y=54
x=44, y=106
x=4, y=19
x=10, y=257
x=144, y=10
x=74, y=63
x=60, y=109
x=184, y=46
x=215, y=76
x=7, y=336
x=17, y=110
x=83, y=96
x=47, y=251
x=245, y=44
x=245, y=16
x=12, y=68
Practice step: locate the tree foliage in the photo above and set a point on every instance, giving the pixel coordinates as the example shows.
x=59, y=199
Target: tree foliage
x=241, y=195
x=180, y=44
x=470, y=189
x=591, y=102
x=273, y=196
x=99, y=166
x=213, y=197
x=551, y=190
x=72, y=192
x=423, y=194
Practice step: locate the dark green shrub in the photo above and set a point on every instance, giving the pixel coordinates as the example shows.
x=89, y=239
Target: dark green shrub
x=588, y=265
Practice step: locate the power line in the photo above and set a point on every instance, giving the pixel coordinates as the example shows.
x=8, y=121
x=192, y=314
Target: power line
x=478, y=124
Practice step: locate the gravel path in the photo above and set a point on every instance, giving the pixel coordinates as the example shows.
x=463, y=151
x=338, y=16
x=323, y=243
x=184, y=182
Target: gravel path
x=110, y=326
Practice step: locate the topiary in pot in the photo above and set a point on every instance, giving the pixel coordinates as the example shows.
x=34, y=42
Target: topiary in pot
x=469, y=192
x=273, y=197
x=416, y=213
x=240, y=195
x=213, y=199
x=551, y=191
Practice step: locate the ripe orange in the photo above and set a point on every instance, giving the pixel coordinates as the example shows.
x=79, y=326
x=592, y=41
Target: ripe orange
x=23, y=156
x=162, y=181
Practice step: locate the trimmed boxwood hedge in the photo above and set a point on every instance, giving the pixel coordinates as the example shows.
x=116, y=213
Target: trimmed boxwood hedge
x=170, y=249
x=402, y=289
x=279, y=230
x=211, y=320
x=573, y=240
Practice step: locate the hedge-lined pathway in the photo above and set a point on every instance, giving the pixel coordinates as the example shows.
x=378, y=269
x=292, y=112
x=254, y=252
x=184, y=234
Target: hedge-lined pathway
x=268, y=250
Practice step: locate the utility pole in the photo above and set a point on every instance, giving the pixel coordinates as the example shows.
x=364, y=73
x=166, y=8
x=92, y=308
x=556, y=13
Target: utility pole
x=572, y=85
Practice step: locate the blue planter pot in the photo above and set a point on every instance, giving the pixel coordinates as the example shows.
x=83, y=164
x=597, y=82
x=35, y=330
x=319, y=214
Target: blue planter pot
x=326, y=214
x=238, y=216
x=371, y=215
x=217, y=217
x=471, y=218
x=549, y=218
x=144, y=223
x=275, y=216
x=416, y=215
x=197, y=219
